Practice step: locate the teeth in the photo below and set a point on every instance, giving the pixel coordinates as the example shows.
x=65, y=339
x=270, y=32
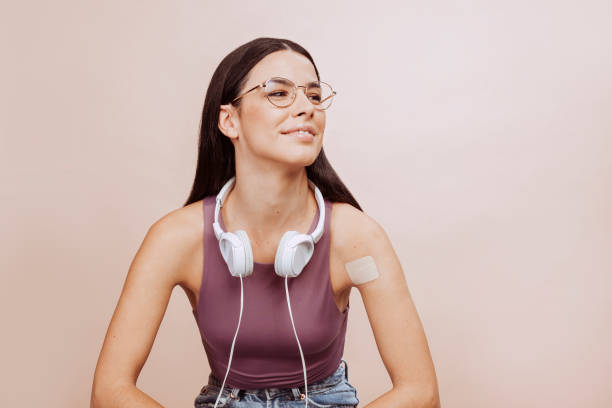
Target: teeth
x=303, y=132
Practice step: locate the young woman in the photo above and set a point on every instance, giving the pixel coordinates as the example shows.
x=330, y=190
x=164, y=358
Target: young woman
x=267, y=248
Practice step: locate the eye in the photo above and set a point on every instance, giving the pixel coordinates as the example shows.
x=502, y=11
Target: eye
x=278, y=93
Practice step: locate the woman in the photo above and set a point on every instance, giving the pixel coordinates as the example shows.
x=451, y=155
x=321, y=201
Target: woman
x=266, y=202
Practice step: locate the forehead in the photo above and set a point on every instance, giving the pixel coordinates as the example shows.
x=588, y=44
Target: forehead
x=287, y=64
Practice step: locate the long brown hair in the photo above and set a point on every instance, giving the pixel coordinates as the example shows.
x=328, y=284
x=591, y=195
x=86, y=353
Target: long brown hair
x=216, y=156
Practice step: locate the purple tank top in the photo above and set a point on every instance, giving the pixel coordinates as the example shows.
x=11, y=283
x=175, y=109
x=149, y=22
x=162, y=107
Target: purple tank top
x=266, y=353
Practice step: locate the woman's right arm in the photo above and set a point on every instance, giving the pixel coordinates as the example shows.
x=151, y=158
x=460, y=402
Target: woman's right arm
x=152, y=275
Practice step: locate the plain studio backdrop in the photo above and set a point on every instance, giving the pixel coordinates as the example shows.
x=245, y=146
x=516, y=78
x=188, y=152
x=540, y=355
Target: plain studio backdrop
x=478, y=134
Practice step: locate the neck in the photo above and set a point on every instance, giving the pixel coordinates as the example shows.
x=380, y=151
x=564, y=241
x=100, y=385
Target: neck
x=268, y=204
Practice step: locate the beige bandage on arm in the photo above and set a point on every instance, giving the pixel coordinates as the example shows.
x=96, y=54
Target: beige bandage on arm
x=362, y=270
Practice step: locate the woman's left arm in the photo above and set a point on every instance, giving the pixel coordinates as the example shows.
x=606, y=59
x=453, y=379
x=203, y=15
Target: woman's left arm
x=396, y=325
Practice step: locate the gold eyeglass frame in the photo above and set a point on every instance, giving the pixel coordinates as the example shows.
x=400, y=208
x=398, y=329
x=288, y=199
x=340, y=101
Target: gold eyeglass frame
x=295, y=87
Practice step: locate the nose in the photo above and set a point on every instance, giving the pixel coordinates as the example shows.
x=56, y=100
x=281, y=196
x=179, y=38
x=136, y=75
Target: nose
x=302, y=103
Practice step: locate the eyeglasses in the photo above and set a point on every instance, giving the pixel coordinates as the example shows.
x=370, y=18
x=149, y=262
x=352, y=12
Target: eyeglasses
x=281, y=92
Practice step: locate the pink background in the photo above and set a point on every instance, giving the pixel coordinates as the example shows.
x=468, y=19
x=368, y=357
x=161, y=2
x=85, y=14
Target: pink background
x=478, y=135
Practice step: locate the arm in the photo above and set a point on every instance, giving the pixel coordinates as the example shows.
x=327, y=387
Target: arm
x=397, y=328
x=142, y=304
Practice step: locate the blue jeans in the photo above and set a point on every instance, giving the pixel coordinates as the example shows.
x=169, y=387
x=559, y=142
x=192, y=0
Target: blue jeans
x=333, y=391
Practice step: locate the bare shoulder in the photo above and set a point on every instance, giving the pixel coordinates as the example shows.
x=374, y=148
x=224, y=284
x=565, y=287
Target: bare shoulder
x=178, y=234
x=182, y=223
x=355, y=233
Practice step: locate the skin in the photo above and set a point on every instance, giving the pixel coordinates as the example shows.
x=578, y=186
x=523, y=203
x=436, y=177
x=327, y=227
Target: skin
x=270, y=196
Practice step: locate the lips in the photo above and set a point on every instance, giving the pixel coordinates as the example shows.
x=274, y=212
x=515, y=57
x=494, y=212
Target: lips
x=306, y=128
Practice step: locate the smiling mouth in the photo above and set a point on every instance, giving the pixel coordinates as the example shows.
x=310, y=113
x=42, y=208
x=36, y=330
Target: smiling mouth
x=300, y=133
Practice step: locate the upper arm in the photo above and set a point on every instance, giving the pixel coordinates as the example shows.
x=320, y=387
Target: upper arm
x=395, y=323
x=151, y=277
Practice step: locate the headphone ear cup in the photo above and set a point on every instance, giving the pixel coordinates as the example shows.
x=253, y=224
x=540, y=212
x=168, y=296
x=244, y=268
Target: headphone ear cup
x=248, y=252
x=293, y=253
x=236, y=251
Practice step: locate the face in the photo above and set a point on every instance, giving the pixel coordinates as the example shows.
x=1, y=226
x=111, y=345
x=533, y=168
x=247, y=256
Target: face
x=259, y=131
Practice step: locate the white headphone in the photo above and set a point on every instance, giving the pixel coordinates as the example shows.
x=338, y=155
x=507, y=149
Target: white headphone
x=293, y=253
x=294, y=249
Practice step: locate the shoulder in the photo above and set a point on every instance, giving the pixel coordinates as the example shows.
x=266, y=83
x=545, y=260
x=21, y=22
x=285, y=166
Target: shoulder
x=175, y=235
x=181, y=225
x=355, y=234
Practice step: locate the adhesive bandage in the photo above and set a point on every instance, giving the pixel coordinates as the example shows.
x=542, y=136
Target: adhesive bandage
x=362, y=270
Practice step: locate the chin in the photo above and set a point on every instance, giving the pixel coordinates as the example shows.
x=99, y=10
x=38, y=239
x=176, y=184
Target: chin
x=301, y=158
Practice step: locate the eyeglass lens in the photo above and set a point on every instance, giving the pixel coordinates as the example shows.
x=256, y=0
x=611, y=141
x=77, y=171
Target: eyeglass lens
x=281, y=92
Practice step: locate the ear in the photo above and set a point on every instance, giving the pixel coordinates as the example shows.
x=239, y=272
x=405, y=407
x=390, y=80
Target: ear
x=228, y=122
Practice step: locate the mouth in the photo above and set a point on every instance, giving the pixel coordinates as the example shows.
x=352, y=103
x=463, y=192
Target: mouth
x=303, y=135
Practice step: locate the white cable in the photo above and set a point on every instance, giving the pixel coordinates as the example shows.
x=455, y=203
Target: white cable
x=298, y=341
x=233, y=342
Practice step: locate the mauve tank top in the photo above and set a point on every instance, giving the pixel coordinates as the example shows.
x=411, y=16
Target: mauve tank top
x=266, y=353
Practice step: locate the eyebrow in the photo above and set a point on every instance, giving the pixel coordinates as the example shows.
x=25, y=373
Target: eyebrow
x=315, y=82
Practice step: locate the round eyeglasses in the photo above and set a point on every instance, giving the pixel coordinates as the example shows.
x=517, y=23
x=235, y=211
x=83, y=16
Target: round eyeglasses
x=281, y=92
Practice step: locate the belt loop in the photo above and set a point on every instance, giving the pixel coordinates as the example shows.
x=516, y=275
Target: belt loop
x=234, y=393
x=296, y=393
x=345, y=368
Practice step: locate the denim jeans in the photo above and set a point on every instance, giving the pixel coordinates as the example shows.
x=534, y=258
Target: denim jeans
x=333, y=391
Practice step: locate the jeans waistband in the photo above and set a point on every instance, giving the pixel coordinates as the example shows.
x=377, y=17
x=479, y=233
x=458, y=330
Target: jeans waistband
x=339, y=375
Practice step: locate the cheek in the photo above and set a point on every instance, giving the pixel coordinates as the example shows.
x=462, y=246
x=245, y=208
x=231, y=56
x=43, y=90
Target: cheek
x=321, y=122
x=263, y=123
